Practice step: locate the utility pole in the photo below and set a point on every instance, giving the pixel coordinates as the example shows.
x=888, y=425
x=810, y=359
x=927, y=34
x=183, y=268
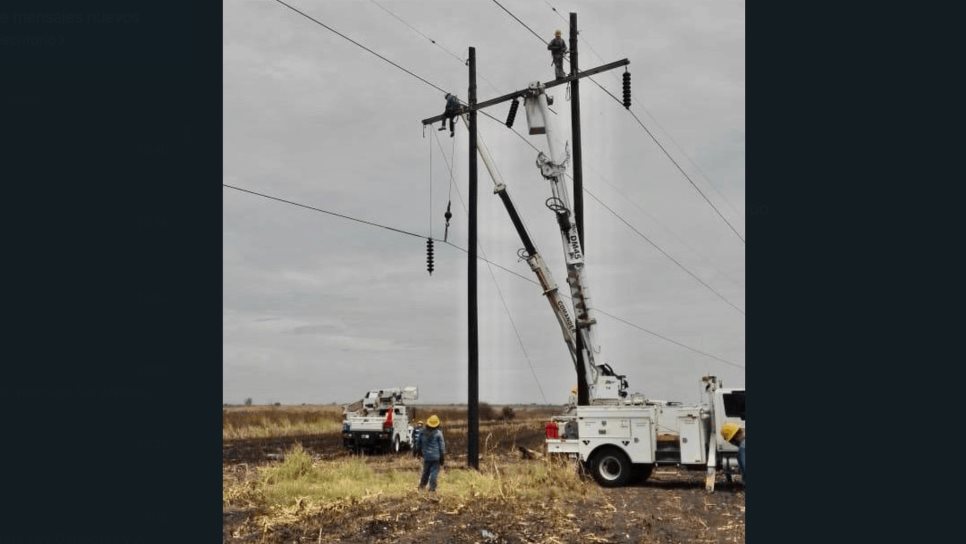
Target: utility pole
x=473, y=396
x=583, y=395
x=470, y=109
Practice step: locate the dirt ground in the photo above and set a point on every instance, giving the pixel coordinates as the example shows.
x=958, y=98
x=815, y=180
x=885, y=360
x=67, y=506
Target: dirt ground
x=671, y=506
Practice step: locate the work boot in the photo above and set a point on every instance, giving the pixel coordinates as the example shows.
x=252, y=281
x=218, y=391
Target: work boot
x=451, y=134
x=443, y=127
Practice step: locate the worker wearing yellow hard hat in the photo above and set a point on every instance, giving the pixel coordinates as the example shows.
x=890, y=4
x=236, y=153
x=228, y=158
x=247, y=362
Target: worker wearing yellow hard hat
x=733, y=433
x=433, y=449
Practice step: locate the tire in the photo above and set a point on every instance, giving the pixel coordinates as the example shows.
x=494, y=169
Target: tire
x=642, y=472
x=611, y=467
x=396, y=448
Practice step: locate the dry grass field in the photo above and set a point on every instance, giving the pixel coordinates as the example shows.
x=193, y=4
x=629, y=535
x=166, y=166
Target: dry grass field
x=302, y=487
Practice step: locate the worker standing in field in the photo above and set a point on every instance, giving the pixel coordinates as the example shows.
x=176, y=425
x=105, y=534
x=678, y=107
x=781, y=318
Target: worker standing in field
x=433, y=448
x=558, y=48
x=733, y=433
x=417, y=432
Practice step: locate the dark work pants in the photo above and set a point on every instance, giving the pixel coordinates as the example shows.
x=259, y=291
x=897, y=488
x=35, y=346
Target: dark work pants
x=430, y=473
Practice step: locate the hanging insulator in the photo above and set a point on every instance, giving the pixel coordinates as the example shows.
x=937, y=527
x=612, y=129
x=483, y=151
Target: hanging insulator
x=429, y=256
x=447, y=215
x=627, y=90
x=513, y=112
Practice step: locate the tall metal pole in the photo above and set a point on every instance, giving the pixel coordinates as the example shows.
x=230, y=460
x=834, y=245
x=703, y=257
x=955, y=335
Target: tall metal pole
x=583, y=395
x=473, y=396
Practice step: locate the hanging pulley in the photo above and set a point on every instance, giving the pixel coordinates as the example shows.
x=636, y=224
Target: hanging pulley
x=447, y=215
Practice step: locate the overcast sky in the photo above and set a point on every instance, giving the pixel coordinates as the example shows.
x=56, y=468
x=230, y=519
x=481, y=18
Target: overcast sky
x=320, y=309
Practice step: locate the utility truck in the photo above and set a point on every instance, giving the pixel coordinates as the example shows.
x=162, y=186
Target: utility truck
x=619, y=437
x=380, y=421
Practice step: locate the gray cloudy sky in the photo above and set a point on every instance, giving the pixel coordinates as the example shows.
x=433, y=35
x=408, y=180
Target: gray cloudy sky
x=321, y=309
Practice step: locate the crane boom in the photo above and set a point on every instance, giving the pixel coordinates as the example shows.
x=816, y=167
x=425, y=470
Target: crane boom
x=604, y=384
x=529, y=252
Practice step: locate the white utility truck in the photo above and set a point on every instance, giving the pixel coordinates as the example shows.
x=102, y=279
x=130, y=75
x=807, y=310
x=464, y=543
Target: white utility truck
x=619, y=437
x=380, y=422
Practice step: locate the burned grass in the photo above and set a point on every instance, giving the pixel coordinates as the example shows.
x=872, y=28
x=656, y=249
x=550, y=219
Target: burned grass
x=319, y=493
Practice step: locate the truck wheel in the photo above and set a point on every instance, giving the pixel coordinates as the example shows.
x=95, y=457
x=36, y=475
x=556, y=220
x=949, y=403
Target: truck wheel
x=642, y=472
x=610, y=467
x=395, y=444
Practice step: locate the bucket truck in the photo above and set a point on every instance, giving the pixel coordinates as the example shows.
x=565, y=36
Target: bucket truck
x=618, y=437
x=380, y=421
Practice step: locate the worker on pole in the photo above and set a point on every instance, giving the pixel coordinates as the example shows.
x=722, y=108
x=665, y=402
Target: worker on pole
x=450, y=113
x=558, y=48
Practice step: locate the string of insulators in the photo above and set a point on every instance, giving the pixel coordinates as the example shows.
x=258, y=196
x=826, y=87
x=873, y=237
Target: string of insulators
x=627, y=90
x=429, y=256
x=513, y=112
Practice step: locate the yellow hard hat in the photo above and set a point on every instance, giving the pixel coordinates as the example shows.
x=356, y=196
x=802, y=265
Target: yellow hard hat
x=729, y=430
x=433, y=421
x=420, y=422
x=557, y=33
x=573, y=390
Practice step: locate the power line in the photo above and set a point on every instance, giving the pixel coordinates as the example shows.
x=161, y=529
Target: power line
x=521, y=22
x=501, y=267
x=671, y=340
x=313, y=208
x=678, y=166
x=667, y=229
x=434, y=42
x=613, y=75
x=665, y=253
x=557, y=12
x=619, y=101
x=414, y=29
x=320, y=23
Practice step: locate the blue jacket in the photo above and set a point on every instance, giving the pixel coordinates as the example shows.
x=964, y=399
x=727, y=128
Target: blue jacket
x=452, y=104
x=432, y=445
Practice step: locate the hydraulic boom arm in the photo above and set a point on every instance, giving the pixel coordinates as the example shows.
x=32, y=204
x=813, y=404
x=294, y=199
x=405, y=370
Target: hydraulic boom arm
x=605, y=386
x=529, y=252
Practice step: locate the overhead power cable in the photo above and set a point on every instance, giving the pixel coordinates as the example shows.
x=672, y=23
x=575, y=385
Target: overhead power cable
x=501, y=267
x=519, y=21
x=638, y=104
x=665, y=253
x=417, y=31
x=434, y=42
x=621, y=102
x=674, y=162
x=320, y=23
x=313, y=208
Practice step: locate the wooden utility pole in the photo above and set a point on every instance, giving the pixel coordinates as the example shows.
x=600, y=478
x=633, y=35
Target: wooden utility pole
x=583, y=394
x=473, y=383
x=471, y=107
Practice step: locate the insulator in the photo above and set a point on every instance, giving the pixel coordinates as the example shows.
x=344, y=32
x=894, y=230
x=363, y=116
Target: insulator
x=448, y=215
x=627, y=90
x=429, y=256
x=513, y=112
